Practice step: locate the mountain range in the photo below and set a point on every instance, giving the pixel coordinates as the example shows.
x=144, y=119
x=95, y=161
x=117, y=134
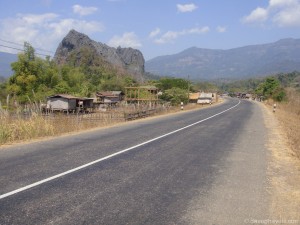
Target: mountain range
x=195, y=63
x=243, y=62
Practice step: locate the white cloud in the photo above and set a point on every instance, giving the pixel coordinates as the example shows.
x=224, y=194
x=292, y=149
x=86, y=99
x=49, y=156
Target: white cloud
x=43, y=30
x=170, y=36
x=83, y=11
x=283, y=13
x=186, y=8
x=167, y=37
x=154, y=33
x=289, y=17
x=197, y=30
x=281, y=3
x=128, y=39
x=257, y=15
x=221, y=29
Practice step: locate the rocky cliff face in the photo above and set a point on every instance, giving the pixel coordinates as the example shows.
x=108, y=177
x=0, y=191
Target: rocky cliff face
x=129, y=59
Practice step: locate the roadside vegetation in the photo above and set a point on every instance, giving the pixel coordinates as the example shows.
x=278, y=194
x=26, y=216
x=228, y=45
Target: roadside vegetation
x=288, y=114
x=284, y=91
x=35, y=78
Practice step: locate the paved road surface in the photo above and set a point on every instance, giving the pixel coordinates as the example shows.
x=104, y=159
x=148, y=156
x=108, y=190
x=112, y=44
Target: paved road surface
x=213, y=172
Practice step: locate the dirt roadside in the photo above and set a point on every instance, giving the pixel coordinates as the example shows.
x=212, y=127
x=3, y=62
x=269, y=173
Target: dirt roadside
x=283, y=171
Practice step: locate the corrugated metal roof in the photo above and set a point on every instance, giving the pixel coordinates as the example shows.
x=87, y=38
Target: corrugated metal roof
x=63, y=96
x=206, y=95
x=66, y=96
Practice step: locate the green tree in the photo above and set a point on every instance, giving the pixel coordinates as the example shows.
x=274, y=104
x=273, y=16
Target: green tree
x=271, y=88
x=31, y=76
x=168, y=83
x=175, y=95
x=62, y=87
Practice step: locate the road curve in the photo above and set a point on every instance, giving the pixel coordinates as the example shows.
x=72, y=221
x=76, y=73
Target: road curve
x=200, y=167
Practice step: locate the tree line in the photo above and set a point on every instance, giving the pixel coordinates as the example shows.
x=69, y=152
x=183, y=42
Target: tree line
x=35, y=78
x=85, y=73
x=273, y=87
x=82, y=75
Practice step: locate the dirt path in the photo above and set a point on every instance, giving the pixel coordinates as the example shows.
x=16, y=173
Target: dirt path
x=283, y=172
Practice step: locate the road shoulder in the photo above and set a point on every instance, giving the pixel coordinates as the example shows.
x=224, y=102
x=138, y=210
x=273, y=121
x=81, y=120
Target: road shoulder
x=238, y=194
x=283, y=172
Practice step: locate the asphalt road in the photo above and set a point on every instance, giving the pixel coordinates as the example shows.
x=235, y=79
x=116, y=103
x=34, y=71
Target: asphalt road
x=164, y=172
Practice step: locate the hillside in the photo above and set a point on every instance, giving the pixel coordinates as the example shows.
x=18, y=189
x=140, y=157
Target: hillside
x=75, y=45
x=243, y=62
x=5, y=60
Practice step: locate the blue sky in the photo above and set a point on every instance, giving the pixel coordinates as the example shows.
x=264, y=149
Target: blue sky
x=155, y=27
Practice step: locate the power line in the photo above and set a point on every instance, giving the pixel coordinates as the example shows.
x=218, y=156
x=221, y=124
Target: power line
x=40, y=49
x=11, y=42
x=21, y=49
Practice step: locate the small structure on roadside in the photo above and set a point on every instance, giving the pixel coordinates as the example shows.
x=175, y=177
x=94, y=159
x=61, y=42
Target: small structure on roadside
x=193, y=97
x=248, y=96
x=109, y=97
x=142, y=94
x=244, y=95
x=68, y=103
x=207, y=98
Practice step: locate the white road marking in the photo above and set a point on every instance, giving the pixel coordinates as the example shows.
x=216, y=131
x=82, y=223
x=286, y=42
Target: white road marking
x=109, y=156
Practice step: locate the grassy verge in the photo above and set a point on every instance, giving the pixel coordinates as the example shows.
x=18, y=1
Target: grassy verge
x=13, y=129
x=288, y=115
x=16, y=128
x=284, y=163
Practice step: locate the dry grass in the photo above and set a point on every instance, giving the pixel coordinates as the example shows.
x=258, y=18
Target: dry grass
x=284, y=164
x=13, y=129
x=288, y=115
x=16, y=128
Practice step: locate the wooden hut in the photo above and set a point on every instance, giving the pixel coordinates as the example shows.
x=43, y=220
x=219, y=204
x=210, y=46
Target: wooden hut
x=109, y=97
x=61, y=102
x=68, y=103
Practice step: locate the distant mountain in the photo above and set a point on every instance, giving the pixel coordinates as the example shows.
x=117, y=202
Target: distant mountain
x=127, y=59
x=243, y=62
x=5, y=60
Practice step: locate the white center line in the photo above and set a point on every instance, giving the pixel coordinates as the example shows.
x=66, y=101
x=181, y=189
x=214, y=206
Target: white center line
x=108, y=157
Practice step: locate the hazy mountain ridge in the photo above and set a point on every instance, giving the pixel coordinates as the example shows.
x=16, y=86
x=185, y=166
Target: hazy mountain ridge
x=5, y=63
x=248, y=61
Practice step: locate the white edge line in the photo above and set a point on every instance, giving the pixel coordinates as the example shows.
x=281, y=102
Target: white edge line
x=109, y=156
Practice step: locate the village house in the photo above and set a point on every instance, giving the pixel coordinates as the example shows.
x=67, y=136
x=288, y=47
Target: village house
x=68, y=103
x=109, y=97
x=207, y=98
